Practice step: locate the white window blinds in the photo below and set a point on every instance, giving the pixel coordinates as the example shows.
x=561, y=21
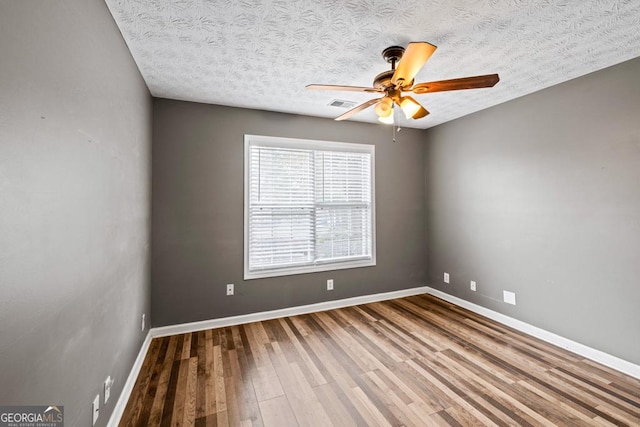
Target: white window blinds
x=309, y=206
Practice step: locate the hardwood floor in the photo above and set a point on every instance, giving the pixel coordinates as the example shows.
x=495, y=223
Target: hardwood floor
x=413, y=361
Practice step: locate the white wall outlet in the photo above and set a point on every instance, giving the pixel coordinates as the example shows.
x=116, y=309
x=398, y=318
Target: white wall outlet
x=472, y=285
x=142, y=322
x=107, y=389
x=96, y=408
x=230, y=289
x=330, y=284
x=446, y=277
x=509, y=297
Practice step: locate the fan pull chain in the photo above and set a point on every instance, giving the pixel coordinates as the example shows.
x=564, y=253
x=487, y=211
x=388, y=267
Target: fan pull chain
x=395, y=131
x=393, y=113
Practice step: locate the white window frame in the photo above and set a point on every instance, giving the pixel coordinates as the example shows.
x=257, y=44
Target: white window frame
x=250, y=140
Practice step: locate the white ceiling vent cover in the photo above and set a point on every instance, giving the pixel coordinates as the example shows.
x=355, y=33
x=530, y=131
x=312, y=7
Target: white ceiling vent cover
x=342, y=103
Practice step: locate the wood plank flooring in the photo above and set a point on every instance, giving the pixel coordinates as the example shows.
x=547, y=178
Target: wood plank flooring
x=416, y=361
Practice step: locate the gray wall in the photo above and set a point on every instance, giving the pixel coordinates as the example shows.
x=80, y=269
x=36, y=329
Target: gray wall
x=198, y=213
x=75, y=134
x=541, y=196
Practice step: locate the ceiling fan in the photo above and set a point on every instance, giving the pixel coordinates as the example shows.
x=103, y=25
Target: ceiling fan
x=393, y=83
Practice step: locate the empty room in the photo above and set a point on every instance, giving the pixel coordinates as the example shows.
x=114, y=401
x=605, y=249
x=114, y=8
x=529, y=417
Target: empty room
x=319, y=213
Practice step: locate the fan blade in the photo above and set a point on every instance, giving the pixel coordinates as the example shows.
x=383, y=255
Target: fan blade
x=476, y=82
x=413, y=59
x=344, y=88
x=359, y=108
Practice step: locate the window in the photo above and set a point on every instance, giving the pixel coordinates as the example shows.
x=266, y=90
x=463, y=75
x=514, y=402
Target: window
x=309, y=206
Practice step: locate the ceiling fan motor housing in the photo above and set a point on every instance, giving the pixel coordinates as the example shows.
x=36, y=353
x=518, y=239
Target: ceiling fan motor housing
x=383, y=80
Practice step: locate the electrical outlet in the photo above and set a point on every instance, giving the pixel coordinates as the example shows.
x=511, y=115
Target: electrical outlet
x=142, y=322
x=96, y=408
x=446, y=277
x=107, y=389
x=330, y=284
x=509, y=297
x=473, y=285
x=230, y=289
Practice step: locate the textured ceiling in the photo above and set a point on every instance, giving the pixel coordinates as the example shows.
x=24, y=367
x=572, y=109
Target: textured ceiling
x=262, y=53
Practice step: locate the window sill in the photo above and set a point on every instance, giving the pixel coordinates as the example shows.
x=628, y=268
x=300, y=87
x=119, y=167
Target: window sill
x=308, y=269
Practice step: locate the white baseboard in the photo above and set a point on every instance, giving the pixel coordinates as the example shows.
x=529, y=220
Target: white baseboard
x=118, y=410
x=575, y=347
x=275, y=314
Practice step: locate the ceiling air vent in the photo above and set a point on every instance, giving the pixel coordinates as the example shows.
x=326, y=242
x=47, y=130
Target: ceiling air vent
x=341, y=103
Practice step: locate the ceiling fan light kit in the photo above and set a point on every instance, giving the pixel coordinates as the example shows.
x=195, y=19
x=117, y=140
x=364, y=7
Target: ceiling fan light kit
x=387, y=120
x=410, y=107
x=405, y=64
x=385, y=107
